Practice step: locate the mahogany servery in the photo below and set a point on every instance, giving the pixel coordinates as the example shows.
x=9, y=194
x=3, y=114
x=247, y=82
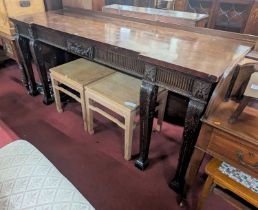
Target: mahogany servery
x=188, y=61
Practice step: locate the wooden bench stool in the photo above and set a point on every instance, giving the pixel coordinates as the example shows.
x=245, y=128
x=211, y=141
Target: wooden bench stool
x=76, y=75
x=226, y=187
x=121, y=94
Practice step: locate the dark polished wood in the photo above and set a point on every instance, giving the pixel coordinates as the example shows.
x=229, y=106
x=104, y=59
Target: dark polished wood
x=138, y=3
x=178, y=58
x=95, y=5
x=159, y=15
x=237, y=143
x=24, y=51
x=53, y=5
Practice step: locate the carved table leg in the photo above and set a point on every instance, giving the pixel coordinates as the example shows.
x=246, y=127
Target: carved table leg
x=196, y=160
x=37, y=54
x=147, y=111
x=192, y=173
x=191, y=130
x=24, y=77
x=27, y=71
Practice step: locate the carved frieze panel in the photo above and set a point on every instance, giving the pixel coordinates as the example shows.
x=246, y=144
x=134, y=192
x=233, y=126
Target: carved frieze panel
x=84, y=50
x=119, y=60
x=175, y=79
x=52, y=37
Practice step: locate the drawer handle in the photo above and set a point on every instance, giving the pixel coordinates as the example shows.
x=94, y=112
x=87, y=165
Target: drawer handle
x=240, y=156
x=24, y=3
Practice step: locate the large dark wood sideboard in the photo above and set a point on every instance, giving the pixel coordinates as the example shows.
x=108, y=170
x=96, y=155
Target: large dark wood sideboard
x=184, y=64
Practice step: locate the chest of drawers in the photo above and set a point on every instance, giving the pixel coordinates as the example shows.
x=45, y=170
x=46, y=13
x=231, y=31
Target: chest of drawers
x=10, y=8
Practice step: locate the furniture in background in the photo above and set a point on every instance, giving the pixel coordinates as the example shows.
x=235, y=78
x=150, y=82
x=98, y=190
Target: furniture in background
x=231, y=184
x=250, y=96
x=164, y=16
x=29, y=180
x=177, y=58
x=137, y=3
x=235, y=143
x=253, y=54
x=73, y=77
x=120, y=94
x=95, y=5
x=230, y=15
x=7, y=39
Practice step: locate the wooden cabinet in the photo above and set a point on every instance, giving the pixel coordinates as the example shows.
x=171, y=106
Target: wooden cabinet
x=229, y=15
x=10, y=8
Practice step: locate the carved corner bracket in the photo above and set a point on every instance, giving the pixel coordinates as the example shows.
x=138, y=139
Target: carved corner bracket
x=201, y=90
x=150, y=73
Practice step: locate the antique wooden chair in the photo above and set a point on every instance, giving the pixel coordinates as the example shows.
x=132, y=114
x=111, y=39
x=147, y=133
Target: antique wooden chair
x=76, y=75
x=250, y=95
x=234, y=186
x=120, y=93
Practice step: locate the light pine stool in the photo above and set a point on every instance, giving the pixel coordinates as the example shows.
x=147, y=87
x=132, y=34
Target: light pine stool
x=76, y=75
x=220, y=183
x=119, y=93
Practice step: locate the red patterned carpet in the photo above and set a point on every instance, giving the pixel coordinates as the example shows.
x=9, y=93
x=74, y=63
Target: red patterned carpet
x=94, y=164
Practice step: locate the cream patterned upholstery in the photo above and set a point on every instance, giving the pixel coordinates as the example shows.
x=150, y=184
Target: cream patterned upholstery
x=29, y=181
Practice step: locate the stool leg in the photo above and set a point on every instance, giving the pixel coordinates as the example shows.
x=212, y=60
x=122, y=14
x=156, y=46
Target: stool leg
x=89, y=116
x=84, y=112
x=161, y=110
x=205, y=192
x=129, y=124
x=57, y=95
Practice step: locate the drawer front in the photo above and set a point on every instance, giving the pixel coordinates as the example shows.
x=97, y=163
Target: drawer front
x=233, y=150
x=23, y=7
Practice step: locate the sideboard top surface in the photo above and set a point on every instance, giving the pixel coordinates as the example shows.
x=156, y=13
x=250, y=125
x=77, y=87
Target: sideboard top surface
x=199, y=54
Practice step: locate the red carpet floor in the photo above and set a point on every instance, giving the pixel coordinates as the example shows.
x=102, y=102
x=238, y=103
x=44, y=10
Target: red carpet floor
x=95, y=164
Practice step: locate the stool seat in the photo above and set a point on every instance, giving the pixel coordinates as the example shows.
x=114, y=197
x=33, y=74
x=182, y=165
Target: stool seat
x=120, y=89
x=121, y=94
x=76, y=75
x=81, y=71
